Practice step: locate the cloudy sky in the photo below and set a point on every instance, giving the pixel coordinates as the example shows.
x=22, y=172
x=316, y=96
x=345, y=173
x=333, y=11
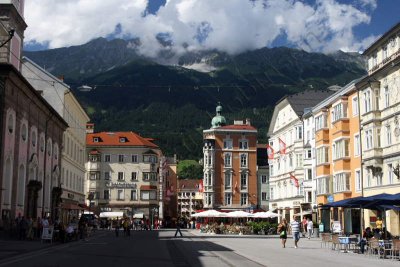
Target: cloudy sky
x=228, y=25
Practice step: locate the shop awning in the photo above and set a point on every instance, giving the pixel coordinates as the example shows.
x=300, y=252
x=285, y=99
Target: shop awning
x=70, y=206
x=111, y=214
x=148, y=187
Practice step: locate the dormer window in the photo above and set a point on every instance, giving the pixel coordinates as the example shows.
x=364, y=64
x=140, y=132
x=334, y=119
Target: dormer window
x=96, y=139
x=122, y=139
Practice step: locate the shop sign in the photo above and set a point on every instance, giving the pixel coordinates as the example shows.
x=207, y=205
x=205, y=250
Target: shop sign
x=121, y=185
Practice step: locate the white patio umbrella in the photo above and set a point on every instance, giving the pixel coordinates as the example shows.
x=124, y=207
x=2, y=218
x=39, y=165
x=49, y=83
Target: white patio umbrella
x=238, y=214
x=209, y=214
x=267, y=214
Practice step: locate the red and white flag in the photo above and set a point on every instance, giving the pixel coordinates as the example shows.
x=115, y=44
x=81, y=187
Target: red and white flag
x=270, y=152
x=201, y=186
x=282, y=146
x=295, y=180
x=235, y=188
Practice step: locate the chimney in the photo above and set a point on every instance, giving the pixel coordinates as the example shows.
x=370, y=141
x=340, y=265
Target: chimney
x=90, y=128
x=61, y=78
x=248, y=121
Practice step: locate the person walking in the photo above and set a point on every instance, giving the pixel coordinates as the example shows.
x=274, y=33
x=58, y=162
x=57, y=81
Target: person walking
x=178, y=228
x=304, y=224
x=310, y=227
x=117, y=226
x=282, y=231
x=295, y=225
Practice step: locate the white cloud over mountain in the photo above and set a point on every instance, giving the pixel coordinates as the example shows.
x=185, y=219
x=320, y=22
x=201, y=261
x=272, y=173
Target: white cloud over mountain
x=232, y=26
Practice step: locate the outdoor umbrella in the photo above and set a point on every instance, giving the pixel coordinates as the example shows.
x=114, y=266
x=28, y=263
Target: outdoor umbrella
x=267, y=214
x=238, y=214
x=209, y=214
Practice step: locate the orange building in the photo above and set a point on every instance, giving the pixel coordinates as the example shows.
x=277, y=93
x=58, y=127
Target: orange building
x=338, y=156
x=230, y=164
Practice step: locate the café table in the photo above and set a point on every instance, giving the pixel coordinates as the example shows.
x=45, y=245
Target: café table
x=347, y=241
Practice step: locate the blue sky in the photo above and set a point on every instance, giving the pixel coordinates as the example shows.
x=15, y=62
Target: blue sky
x=232, y=26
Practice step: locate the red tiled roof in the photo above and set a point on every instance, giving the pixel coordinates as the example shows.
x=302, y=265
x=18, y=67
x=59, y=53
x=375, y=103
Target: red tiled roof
x=189, y=184
x=148, y=187
x=238, y=127
x=114, y=139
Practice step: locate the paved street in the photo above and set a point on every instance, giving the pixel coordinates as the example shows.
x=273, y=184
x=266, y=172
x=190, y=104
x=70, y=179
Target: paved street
x=159, y=248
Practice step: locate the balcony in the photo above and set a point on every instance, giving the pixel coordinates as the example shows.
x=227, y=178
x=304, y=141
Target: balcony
x=322, y=136
x=341, y=125
x=372, y=153
x=374, y=115
x=93, y=166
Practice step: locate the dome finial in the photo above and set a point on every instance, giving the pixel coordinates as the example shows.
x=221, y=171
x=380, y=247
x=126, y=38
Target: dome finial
x=218, y=119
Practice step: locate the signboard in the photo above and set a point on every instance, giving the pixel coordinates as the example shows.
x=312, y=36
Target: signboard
x=47, y=233
x=330, y=199
x=336, y=227
x=121, y=185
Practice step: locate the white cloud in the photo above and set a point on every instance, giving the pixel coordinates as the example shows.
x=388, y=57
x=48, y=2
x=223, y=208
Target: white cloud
x=232, y=26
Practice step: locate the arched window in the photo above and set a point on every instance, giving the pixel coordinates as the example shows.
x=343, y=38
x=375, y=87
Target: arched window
x=10, y=123
x=33, y=137
x=24, y=132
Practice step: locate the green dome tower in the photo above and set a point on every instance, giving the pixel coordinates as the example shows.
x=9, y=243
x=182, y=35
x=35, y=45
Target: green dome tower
x=218, y=119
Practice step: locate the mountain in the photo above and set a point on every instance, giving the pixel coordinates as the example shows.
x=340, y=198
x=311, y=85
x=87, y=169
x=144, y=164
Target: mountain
x=172, y=98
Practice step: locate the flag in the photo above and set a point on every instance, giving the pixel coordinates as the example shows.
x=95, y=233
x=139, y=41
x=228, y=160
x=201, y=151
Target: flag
x=201, y=186
x=164, y=165
x=234, y=189
x=294, y=179
x=270, y=152
x=282, y=146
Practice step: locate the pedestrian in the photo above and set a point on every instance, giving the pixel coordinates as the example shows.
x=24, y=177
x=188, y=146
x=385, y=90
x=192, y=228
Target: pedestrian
x=178, y=228
x=117, y=226
x=282, y=231
x=304, y=225
x=310, y=227
x=295, y=225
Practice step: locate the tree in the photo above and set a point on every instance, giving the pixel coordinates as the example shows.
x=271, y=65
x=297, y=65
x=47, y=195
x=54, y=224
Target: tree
x=190, y=169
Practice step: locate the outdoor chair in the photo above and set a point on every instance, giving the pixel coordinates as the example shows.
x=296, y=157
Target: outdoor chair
x=326, y=239
x=373, y=248
x=335, y=242
x=395, y=252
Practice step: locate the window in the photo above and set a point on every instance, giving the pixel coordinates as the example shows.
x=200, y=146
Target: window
x=148, y=195
x=339, y=112
x=374, y=59
x=384, y=53
x=291, y=160
x=263, y=179
x=24, y=132
x=264, y=196
x=355, y=106
x=95, y=139
x=387, y=97
x=340, y=149
x=341, y=182
x=358, y=180
x=107, y=158
x=93, y=175
x=10, y=123
x=243, y=199
x=120, y=194
x=243, y=181
x=120, y=176
x=134, y=158
x=228, y=144
x=228, y=199
x=106, y=194
x=208, y=199
x=299, y=160
x=299, y=132
x=368, y=139
x=320, y=122
x=322, y=155
x=369, y=178
x=34, y=138
x=133, y=175
x=243, y=144
x=150, y=159
x=149, y=176
x=228, y=180
x=106, y=175
x=307, y=154
x=379, y=181
x=308, y=174
x=243, y=160
x=390, y=173
x=357, y=147
x=228, y=159
x=133, y=194
x=271, y=193
x=271, y=170
x=120, y=158
x=122, y=139
x=367, y=101
x=388, y=135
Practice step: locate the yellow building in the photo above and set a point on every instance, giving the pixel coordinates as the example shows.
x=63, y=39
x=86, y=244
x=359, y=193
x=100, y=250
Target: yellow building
x=338, y=156
x=379, y=117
